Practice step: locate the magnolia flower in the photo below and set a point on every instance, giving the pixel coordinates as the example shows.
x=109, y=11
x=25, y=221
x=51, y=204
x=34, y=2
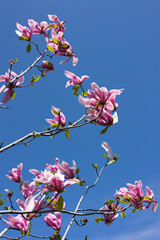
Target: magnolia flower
x=38, y=28
x=108, y=149
x=136, y=194
x=75, y=80
x=24, y=31
x=66, y=169
x=29, y=189
x=18, y=222
x=54, y=221
x=59, y=25
x=8, y=77
x=47, y=66
x=43, y=177
x=31, y=204
x=59, y=118
x=15, y=175
x=109, y=217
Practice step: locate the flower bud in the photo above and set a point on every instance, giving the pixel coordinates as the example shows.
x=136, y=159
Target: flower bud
x=85, y=220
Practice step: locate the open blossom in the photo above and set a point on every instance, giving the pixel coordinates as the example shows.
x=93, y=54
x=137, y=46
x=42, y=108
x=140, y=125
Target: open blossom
x=8, y=77
x=75, y=80
x=61, y=47
x=58, y=26
x=15, y=175
x=31, y=204
x=66, y=169
x=18, y=222
x=54, y=221
x=43, y=177
x=24, y=31
x=47, y=66
x=110, y=217
x=29, y=189
x=101, y=103
x=57, y=183
x=38, y=28
x=108, y=149
x=136, y=194
x=59, y=117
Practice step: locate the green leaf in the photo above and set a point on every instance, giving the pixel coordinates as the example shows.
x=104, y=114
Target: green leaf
x=37, y=184
x=0, y=194
x=50, y=49
x=97, y=220
x=123, y=214
x=6, y=208
x=28, y=232
x=58, y=237
x=38, y=135
x=28, y=48
x=134, y=210
x=75, y=87
x=67, y=134
x=94, y=165
x=77, y=170
x=105, y=156
x=2, y=201
x=109, y=201
x=54, y=125
x=75, y=92
x=60, y=203
x=80, y=183
x=13, y=94
x=86, y=237
x=104, y=130
x=23, y=38
x=84, y=94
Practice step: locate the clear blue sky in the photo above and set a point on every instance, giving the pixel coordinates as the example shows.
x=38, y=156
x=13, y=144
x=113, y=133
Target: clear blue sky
x=118, y=46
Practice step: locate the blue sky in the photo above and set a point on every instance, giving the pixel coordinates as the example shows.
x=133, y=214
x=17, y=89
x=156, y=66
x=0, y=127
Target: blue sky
x=117, y=43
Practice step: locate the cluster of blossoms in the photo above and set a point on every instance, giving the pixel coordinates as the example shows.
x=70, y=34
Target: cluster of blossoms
x=100, y=104
x=55, y=179
x=56, y=43
x=134, y=196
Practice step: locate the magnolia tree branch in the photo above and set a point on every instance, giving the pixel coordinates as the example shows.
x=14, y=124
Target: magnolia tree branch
x=51, y=133
x=24, y=72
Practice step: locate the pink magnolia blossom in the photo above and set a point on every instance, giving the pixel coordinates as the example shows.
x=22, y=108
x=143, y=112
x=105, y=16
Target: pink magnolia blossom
x=52, y=168
x=38, y=28
x=109, y=218
x=59, y=25
x=8, y=77
x=43, y=177
x=54, y=221
x=47, y=66
x=24, y=31
x=15, y=175
x=75, y=80
x=29, y=189
x=18, y=222
x=31, y=204
x=57, y=183
x=108, y=149
x=59, y=117
x=136, y=194
x=66, y=169
x=61, y=47
x=101, y=104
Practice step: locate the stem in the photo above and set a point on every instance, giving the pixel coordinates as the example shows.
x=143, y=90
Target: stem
x=4, y=231
x=23, y=73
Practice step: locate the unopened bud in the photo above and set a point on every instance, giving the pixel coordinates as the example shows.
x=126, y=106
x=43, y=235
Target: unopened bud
x=9, y=193
x=85, y=220
x=117, y=198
